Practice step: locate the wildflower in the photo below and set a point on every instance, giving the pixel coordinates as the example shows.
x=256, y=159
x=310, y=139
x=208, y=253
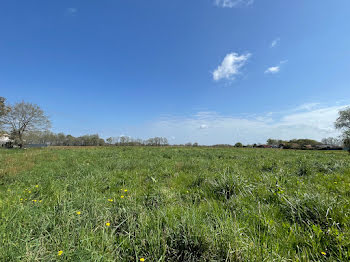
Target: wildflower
x=108, y=224
x=60, y=253
x=34, y=200
x=323, y=253
x=78, y=213
x=37, y=186
x=125, y=190
x=21, y=199
x=187, y=192
x=29, y=192
x=40, y=201
x=121, y=196
x=110, y=200
x=142, y=259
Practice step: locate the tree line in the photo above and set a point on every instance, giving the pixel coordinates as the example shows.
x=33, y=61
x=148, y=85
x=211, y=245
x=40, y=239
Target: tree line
x=27, y=123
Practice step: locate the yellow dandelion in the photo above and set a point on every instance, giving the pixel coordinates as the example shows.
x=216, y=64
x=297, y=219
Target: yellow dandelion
x=125, y=190
x=78, y=213
x=60, y=253
x=142, y=259
x=323, y=253
x=121, y=196
x=29, y=192
x=37, y=186
x=34, y=200
x=110, y=200
x=21, y=199
x=108, y=224
x=40, y=201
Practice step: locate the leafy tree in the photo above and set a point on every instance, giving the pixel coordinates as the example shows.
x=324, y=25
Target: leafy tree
x=239, y=144
x=273, y=142
x=24, y=117
x=109, y=140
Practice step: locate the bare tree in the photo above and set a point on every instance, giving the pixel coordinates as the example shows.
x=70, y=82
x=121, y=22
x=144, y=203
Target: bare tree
x=24, y=117
x=332, y=141
x=3, y=111
x=343, y=123
x=2, y=106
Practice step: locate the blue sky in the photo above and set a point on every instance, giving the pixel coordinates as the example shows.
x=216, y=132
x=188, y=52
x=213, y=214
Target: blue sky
x=211, y=71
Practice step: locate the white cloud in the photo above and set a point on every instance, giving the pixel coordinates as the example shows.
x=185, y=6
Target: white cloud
x=275, y=42
x=314, y=122
x=272, y=70
x=230, y=66
x=71, y=11
x=275, y=69
x=233, y=3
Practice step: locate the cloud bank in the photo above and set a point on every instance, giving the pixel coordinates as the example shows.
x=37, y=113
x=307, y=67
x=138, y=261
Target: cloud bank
x=306, y=121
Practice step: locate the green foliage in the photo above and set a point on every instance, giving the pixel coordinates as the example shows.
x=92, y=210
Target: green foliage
x=174, y=204
x=239, y=144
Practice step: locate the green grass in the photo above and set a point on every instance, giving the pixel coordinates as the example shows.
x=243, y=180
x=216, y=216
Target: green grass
x=181, y=204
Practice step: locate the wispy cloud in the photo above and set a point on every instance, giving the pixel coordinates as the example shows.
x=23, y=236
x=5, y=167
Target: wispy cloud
x=307, y=106
x=275, y=69
x=306, y=121
x=272, y=70
x=230, y=66
x=233, y=3
x=71, y=11
x=275, y=42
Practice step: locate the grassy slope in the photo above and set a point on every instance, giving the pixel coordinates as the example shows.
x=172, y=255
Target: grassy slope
x=181, y=204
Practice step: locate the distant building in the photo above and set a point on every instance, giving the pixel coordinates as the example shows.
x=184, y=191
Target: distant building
x=5, y=141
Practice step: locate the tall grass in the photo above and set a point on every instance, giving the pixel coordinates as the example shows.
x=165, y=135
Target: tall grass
x=174, y=204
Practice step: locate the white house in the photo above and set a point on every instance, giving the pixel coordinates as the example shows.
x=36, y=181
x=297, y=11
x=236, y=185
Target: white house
x=5, y=140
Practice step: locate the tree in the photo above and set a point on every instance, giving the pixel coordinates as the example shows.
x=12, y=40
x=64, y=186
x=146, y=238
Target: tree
x=332, y=141
x=24, y=117
x=3, y=110
x=239, y=144
x=2, y=106
x=343, y=123
x=109, y=140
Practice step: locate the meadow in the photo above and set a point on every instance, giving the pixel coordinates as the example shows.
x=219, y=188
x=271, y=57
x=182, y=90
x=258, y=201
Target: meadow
x=174, y=204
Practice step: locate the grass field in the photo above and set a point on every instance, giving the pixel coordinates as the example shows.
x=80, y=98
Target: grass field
x=174, y=204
